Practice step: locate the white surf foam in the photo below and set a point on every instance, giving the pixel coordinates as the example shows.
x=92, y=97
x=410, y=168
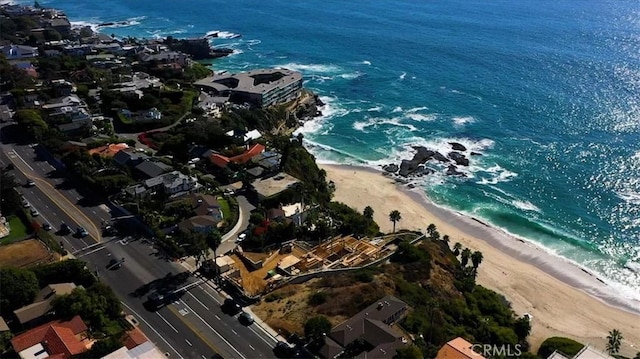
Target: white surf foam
x=418, y=117
x=80, y=24
x=366, y=62
x=402, y=76
x=397, y=109
x=461, y=121
x=310, y=67
x=351, y=76
x=376, y=122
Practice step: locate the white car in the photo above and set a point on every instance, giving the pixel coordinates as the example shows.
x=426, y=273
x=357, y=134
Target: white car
x=241, y=237
x=34, y=212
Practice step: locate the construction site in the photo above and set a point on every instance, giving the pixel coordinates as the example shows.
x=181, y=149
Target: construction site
x=258, y=273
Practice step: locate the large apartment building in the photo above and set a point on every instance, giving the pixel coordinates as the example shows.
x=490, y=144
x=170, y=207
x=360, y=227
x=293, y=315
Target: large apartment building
x=260, y=88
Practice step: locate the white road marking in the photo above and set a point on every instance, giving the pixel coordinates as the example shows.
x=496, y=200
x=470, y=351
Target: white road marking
x=91, y=252
x=169, y=324
x=251, y=346
x=25, y=162
x=188, y=342
x=198, y=300
x=213, y=330
x=234, y=332
x=152, y=328
x=217, y=317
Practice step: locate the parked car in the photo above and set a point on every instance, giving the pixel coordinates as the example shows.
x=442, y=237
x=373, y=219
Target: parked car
x=241, y=237
x=245, y=318
x=34, y=212
x=114, y=264
x=25, y=203
x=284, y=350
x=81, y=232
x=46, y=226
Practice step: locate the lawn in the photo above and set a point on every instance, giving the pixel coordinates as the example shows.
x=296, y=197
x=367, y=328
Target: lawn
x=18, y=230
x=224, y=207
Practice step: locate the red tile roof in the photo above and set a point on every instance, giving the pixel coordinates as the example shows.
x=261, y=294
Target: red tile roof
x=58, y=338
x=222, y=161
x=134, y=337
x=108, y=150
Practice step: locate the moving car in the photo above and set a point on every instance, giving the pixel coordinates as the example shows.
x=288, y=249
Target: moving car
x=231, y=307
x=46, y=226
x=30, y=183
x=81, y=232
x=65, y=229
x=114, y=264
x=245, y=318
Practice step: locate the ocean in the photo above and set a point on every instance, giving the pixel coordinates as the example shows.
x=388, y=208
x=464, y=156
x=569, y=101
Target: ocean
x=547, y=91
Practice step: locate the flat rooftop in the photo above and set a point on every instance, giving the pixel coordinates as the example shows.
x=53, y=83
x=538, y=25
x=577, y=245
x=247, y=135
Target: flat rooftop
x=271, y=186
x=259, y=81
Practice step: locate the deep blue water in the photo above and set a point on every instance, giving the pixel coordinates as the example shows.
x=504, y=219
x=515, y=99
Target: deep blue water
x=547, y=91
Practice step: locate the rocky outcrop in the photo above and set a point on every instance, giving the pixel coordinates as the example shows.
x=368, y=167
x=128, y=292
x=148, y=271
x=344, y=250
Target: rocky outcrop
x=452, y=170
x=459, y=158
x=457, y=146
x=391, y=168
x=440, y=157
x=476, y=154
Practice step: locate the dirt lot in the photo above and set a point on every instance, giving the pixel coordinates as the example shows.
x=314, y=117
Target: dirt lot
x=25, y=253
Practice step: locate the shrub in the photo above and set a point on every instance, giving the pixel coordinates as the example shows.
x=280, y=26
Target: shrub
x=317, y=298
x=566, y=346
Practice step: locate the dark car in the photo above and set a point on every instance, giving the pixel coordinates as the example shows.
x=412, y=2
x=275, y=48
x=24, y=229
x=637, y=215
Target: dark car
x=284, y=350
x=81, y=232
x=114, y=264
x=65, y=229
x=46, y=226
x=10, y=167
x=30, y=183
x=231, y=307
x=245, y=318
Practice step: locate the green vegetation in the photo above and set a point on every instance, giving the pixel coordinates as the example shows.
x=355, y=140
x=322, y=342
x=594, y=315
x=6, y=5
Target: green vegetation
x=317, y=298
x=18, y=230
x=395, y=217
x=11, y=199
x=316, y=327
x=19, y=288
x=71, y=270
x=50, y=242
x=566, y=346
x=613, y=341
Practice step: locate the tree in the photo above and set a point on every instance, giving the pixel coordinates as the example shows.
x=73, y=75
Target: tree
x=316, y=327
x=409, y=352
x=394, y=217
x=368, y=212
x=466, y=253
x=19, y=287
x=32, y=121
x=476, y=259
x=446, y=238
x=566, y=346
x=431, y=228
x=456, y=248
x=10, y=197
x=613, y=341
x=522, y=327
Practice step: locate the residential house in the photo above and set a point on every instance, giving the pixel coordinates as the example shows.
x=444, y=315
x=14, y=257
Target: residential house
x=458, y=348
x=166, y=57
x=57, y=339
x=28, y=68
x=587, y=352
x=6, y=114
x=147, y=350
x=222, y=161
x=3, y=326
x=41, y=305
x=64, y=101
x=150, y=169
x=143, y=116
x=109, y=150
x=129, y=157
x=374, y=325
x=200, y=224
x=206, y=205
x=61, y=25
x=274, y=185
x=19, y=52
x=246, y=136
x=63, y=87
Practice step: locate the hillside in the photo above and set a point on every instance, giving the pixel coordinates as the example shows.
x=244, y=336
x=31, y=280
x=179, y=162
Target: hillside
x=445, y=301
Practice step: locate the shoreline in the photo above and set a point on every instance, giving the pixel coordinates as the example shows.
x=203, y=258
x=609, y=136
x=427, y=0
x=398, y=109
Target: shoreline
x=564, y=298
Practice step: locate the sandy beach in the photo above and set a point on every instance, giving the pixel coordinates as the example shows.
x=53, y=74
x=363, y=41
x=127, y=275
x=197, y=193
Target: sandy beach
x=563, y=299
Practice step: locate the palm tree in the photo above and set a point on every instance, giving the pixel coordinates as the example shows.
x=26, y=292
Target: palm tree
x=446, y=238
x=466, y=253
x=368, y=212
x=394, y=217
x=431, y=228
x=456, y=248
x=476, y=259
x=613, y=341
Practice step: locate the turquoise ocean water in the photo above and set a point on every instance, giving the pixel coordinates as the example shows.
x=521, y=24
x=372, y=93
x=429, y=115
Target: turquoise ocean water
x=547, y=91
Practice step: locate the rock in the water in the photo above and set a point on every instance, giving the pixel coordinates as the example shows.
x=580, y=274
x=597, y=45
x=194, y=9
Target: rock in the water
x=392, y=168
x=440, y=157
x=422, y=171
x=452, y=170
x=476, y=154
x=422, y=155
x=457, y=146
x=459, y=158
x=407, y=167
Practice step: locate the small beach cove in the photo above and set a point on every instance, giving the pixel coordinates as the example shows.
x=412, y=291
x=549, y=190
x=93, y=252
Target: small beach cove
x=563, y=299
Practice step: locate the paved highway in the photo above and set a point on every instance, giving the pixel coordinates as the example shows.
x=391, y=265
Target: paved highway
x=193, y=326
